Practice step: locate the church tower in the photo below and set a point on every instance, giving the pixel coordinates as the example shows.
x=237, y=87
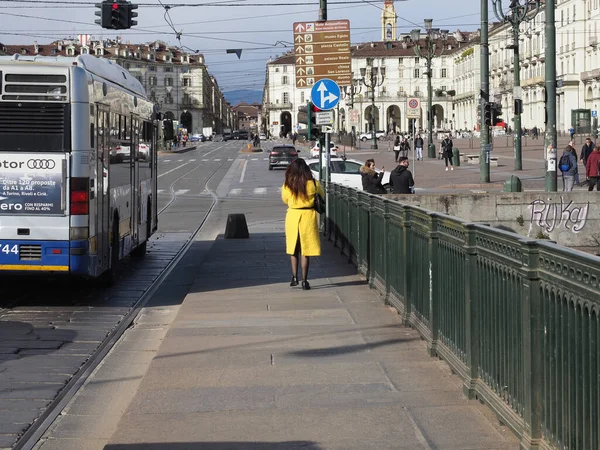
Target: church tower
x=388, y=21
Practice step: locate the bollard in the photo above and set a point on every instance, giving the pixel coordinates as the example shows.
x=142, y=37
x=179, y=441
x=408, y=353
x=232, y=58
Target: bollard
x=236, y=228
x=513, y=184
x=456, y=157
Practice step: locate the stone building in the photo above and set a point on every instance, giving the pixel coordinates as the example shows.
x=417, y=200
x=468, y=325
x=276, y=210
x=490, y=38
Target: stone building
x=178, y=82
x=248, y=116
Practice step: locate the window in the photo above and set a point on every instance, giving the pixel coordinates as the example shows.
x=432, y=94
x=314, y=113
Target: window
x=187, y=82
x=417, y=73
x=286, y=98
x=168, y=81
x=276, y=69
x=400, y=61
x=284, y=70
x=168, y=69
x=284, y=79
x=152, y=68
x=417, y=60
x=444, y=73
x=153, y=81
x=574, y=13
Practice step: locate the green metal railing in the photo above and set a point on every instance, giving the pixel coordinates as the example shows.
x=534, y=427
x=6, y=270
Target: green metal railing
x=518, y=319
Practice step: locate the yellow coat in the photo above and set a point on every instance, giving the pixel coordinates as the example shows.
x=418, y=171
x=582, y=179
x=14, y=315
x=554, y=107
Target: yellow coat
x=302, y=222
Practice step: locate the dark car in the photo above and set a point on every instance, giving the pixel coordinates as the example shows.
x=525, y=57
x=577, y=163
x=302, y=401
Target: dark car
x=282, y=156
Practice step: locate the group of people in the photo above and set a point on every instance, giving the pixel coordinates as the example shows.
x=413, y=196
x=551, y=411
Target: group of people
x=401, y=179
x=402, y=147
x=568, y=165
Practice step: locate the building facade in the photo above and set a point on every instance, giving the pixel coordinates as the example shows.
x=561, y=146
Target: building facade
x=455, y=76
x=248, y=117
x=177, y=82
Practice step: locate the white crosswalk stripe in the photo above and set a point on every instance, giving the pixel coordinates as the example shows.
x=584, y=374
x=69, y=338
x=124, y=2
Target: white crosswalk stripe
x=192, y=160
x=260, y=190
x=166, y=160
x=235, y=192
x=230, y=159
x=182, y=191
x=205, y=160
x=180, y=160
x=265, y=159
x=218, y=159
x=254, y=159
x=160, y=191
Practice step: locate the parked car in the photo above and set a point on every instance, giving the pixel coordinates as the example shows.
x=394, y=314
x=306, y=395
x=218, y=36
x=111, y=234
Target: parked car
x=314, y=152
x=198, y=137
x=282, y=156
x=262, y=136
x=368, y=136
x=346, y=172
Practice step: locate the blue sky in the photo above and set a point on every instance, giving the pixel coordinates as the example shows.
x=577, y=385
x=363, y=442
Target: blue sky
x=261, y=30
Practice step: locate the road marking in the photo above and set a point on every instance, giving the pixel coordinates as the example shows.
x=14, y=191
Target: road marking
x=180, y=160
x=160, y=191
x=178, y=167
x=205, y=160
x=265, y=159
x=243, y=172
x=192, y=160
x=235, y=191
x=181, y=191
x=260, y=190
x=216, y=159
x=230, y=159
x=254, y=159
x=166, y=160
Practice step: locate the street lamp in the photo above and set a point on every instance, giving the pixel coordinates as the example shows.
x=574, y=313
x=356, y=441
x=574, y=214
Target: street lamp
x=429, y=51
x=351, y=91
x=375, y=80
x=516, y=15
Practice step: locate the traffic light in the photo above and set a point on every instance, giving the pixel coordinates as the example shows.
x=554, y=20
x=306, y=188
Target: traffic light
x=168, y=133
x=116, y=15
x=302, y=115
x=315, y=131
x=518, y=106
x=497, y=114
x=487, y=113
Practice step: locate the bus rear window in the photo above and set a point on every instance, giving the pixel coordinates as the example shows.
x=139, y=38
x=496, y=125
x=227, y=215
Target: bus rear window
x=34, y=127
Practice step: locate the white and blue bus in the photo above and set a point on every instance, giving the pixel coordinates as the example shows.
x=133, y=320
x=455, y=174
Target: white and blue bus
x=78, y=165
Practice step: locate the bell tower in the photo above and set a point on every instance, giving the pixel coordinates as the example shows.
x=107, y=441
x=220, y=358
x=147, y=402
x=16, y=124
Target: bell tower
x=388, y=21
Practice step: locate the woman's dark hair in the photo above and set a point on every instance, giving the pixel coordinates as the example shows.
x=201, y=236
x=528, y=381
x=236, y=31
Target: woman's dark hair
x=296, y=176
x=397, y=141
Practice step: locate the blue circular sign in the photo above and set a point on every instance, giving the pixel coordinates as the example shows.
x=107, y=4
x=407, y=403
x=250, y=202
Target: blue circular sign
x=325, y=94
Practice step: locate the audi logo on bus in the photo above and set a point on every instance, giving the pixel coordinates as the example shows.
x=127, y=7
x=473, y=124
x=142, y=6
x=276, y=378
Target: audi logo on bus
x=41, y=164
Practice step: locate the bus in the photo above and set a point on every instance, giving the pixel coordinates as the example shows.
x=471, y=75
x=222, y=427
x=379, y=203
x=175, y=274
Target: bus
x=78, y=165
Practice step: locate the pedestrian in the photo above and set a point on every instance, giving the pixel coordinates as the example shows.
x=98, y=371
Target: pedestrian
x=401, y=179
x=404, y=148
x=572, y=132
x=447, y=146
x=419, y=147
x=371, y=180
x=301, y=222
x=568, y=166
x=586, y=150
x=396, y=148
x=592, y=168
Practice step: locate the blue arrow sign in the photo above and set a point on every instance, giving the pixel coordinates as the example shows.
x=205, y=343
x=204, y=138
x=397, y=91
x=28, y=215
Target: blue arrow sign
x=325, y=94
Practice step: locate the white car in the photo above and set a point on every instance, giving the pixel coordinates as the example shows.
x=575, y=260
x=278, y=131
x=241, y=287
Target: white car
x=314, y=152
x=262, y=136
x=369, y=136
x=345, y=172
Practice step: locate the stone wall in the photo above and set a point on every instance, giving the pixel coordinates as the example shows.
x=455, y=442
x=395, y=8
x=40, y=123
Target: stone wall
x=569, y=218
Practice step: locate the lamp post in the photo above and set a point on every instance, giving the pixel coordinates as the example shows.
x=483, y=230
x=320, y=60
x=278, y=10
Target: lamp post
x=516, y=15
x=429, y=51
x=350, y=91
x=376, y=78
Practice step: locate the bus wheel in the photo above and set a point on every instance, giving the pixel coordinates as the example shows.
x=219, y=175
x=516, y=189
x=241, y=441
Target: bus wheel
x=140, y=250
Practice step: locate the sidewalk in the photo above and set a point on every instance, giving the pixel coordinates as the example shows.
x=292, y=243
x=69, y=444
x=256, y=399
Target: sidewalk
x=250, y=363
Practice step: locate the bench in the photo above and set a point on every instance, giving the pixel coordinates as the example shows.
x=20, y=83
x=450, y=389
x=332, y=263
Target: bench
x=474, y=159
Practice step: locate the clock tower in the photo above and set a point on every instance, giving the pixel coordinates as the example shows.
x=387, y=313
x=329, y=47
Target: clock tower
x=388, y=21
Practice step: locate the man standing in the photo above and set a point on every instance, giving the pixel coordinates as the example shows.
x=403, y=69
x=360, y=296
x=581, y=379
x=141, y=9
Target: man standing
x=568, y=166
x=401, y=179
x=447, y=148
x=419, y=147
x=592, y=169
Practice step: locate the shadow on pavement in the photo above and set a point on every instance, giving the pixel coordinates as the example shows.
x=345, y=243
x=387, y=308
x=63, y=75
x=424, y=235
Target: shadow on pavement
x=345, y=349
x=289, y=445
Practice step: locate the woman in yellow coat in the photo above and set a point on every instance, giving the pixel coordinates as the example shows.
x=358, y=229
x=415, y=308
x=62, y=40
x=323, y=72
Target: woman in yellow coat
x=301, y=222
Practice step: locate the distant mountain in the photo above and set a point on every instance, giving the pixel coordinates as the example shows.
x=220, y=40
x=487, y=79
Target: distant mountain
x=243, y=95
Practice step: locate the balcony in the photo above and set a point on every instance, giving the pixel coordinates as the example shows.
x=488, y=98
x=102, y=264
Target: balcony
x=279, y=106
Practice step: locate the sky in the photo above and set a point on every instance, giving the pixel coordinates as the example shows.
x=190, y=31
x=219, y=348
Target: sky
x=261, y=28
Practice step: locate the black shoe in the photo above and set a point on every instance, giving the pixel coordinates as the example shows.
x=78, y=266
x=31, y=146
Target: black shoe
x=294, y=282
x=305, y=285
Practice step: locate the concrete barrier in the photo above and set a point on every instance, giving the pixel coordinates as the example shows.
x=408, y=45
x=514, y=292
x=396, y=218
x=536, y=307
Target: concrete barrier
x=571, y=219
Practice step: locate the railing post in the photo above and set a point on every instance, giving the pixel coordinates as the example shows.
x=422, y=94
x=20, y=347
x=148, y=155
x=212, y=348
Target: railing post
x=471, y=313
x=406, y=224
x=435, y=276
x=532, y=345
x=386, y=249
x=371, y=276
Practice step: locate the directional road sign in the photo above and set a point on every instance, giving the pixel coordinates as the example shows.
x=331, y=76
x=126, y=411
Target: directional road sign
x=322, y=50
x=325, y=94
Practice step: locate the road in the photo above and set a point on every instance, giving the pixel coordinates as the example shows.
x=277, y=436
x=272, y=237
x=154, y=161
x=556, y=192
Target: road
x=49, y=327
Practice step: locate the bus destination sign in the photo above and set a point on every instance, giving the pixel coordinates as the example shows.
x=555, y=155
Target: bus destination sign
x=31, y=183
x=322, y=50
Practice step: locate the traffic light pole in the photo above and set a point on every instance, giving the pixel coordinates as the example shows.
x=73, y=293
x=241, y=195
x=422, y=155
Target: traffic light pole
x=517, y=87
x=550, y=75
x=484, y=162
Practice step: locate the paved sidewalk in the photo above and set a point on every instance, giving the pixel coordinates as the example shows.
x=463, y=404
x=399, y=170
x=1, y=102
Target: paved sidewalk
x=250, y=363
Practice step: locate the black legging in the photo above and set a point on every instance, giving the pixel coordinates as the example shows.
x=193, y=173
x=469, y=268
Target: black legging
x=447, y=158
x=396, y=153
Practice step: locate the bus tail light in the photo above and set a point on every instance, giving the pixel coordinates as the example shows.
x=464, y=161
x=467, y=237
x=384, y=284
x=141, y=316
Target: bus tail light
x=80, y=192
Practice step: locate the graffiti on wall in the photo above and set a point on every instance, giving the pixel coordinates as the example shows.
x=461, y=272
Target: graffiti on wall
x=552, y=215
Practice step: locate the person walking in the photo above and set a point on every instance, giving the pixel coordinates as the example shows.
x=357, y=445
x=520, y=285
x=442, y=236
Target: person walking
x=401, y=179
x=396, y=148
x=592, y=168
x=586, y=150
x=447, y=147
x=371, y=180
x=404, y=148
x=419, y=147
x=301, y=222
x=568, y=166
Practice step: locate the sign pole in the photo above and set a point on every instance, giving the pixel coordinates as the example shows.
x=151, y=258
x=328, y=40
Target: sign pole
x=327, y=175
